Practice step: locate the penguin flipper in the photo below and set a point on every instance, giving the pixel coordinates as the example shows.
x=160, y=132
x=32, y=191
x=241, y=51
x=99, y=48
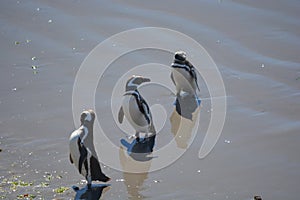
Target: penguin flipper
x=144, y=108
x=194, y=75
x=172, y=78
x=83, y=155
x=121, y=115
x=97, y=174
x=71, y=159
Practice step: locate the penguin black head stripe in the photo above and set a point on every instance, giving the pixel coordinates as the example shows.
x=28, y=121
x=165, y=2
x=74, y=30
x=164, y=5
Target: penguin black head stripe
x=180, y=56
x=135, y=81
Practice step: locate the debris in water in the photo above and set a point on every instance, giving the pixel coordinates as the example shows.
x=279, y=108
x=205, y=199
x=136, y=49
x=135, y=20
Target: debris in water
x=156, y=181
x=37, y=9
x=199, y=171
x=16, y=42
x=120, y=180
x=34, y=67
x=59, y=177
x=14, y=89
x=227, y=141
x=33, y=58
x=262, y=65
x=27, y=41
x=26, y=196
x=50, y=21
x=257, y=198
x=60, y=190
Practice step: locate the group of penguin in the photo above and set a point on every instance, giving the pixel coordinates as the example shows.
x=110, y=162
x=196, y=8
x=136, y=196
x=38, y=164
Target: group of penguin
x=137, y=112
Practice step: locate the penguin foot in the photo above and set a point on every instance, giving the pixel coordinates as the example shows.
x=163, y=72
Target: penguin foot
x=75, y=188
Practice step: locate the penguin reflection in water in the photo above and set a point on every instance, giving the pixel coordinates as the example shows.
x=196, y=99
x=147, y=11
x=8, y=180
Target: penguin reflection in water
x=137, y=112
x=183, y=119
x=82, y=150
x=94, y=193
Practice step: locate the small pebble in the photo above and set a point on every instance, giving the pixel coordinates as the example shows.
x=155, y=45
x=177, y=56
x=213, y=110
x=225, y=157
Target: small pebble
x=262, y=65
x=120, y=180
x=50, y=21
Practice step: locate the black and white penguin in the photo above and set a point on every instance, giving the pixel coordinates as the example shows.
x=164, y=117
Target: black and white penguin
x=136, y=110
x=82, y=150
x=184, y=75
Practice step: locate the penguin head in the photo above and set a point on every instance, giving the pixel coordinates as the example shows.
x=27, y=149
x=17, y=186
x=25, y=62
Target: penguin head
x=180, y=56
x=87, y=117
x=134, y=81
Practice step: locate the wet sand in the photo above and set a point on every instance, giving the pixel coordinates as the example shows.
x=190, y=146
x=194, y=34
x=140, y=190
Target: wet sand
x=255, y=45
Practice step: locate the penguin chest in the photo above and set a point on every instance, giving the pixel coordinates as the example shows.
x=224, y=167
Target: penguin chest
x=134, y=115
x=183, y=80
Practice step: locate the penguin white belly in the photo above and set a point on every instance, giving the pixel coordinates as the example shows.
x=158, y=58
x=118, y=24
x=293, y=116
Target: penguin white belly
x=133, y=114
x=183, y=80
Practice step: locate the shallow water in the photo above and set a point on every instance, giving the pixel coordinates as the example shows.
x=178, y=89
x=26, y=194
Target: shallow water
x=255, y=46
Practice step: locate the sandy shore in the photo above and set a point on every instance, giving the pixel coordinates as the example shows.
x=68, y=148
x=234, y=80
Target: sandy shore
x=255, y=45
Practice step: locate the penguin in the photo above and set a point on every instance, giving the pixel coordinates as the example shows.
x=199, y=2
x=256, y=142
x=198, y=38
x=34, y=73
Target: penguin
x=136, y=110
x=82, y=150
x=184, y=75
